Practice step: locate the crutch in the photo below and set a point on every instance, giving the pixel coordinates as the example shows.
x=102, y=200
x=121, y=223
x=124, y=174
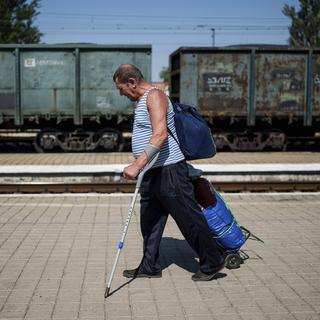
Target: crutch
x=126, y=225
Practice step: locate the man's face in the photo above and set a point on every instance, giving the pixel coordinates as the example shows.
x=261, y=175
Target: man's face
x=125, y=89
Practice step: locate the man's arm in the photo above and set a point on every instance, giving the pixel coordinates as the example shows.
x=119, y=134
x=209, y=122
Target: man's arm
x=157, y=103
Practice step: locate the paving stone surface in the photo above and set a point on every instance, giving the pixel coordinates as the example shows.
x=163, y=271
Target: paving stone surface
x=125, y=157
x=57, y=251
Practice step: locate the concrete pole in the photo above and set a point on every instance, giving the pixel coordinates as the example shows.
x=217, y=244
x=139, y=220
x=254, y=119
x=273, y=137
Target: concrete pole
x=213, y=36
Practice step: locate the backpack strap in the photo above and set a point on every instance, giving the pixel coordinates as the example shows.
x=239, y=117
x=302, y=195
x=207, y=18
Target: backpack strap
x=172, y=135
x=170, y=132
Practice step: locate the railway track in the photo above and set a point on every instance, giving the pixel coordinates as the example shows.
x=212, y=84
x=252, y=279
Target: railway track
x=129, y=187
x=107, y=178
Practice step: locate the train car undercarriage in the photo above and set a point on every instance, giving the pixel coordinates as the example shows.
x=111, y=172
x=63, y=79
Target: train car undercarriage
x=79, y=140
x=250, y=141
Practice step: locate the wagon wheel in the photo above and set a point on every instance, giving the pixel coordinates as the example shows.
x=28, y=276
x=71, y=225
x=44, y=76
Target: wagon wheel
x=233, y=261
x=37, y=143
x=120, y=140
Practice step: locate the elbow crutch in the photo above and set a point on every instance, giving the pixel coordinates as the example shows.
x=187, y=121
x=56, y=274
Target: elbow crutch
x=126, y=225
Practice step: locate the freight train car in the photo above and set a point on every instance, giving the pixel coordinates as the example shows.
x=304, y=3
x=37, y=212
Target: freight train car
x=254, y=98
x=64, y=95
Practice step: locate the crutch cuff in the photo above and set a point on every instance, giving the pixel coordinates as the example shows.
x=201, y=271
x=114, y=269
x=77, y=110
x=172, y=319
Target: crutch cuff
x=151, y=151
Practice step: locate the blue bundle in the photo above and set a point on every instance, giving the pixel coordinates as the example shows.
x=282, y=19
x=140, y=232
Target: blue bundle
x=223, y=225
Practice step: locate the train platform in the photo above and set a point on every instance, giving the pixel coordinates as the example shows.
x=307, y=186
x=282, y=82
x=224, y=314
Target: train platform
x=227, y=171
x=126, y=157
x=57, y=251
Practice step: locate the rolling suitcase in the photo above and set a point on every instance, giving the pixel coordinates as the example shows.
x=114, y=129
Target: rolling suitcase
x=229, y=235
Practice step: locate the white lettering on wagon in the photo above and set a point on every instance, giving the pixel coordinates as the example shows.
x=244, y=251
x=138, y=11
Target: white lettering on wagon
x=32, y=62
x=102, y=103
x=217, y=82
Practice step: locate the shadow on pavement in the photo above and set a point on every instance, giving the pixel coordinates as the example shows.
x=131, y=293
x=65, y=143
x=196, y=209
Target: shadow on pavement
x=178, y=252
x=120, y=287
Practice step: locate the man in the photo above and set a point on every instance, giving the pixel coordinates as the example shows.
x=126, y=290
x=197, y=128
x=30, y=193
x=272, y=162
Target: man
x=166, y=187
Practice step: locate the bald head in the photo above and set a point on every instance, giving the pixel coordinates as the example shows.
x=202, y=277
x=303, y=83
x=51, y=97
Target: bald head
x=127, y=71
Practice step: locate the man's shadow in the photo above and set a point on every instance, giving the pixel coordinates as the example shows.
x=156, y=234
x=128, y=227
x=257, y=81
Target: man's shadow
x=178, y=252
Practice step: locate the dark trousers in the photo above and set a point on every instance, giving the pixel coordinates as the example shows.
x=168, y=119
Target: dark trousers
x=168, y=190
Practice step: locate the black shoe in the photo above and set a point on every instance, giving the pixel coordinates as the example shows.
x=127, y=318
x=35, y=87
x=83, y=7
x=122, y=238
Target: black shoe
x=200, y=276
x=135, y=273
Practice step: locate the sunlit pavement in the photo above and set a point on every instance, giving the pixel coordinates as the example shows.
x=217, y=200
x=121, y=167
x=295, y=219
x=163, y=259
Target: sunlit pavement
x=57, y=251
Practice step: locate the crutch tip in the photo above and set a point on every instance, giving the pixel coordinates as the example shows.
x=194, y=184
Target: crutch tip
x=106, y=294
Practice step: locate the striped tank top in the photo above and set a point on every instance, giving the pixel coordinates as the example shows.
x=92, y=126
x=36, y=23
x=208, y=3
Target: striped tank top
x=170, y=152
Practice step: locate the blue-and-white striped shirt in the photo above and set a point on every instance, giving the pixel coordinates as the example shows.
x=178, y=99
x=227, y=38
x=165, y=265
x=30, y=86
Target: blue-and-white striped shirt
x=142, y=131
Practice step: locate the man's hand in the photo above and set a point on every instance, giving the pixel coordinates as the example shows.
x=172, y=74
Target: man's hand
x=131, y=172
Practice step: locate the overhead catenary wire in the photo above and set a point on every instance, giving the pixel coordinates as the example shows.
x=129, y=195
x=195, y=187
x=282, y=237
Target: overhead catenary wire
x=152, y=29
x=167, y=17
x=191, y=23
x=178, y=28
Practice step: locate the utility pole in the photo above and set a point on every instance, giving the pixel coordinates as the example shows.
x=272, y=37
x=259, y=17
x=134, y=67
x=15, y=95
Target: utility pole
x=213, y=36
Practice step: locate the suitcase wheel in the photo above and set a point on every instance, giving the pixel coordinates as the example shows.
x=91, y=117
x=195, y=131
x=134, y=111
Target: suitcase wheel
x=233, y=261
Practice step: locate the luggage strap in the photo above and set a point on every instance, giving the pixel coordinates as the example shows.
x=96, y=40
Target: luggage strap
x=223, y=233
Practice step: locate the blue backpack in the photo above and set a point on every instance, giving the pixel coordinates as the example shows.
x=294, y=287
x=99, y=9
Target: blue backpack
x=194, y=135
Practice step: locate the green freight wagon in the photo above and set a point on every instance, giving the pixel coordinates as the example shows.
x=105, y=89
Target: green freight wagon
x=255, y=98
x=65, y=94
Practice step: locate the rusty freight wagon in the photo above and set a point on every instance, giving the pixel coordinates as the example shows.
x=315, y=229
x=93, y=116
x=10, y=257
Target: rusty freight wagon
x=255, y=98
x=63, y=96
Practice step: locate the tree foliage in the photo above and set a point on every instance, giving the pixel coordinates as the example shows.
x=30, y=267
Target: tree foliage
x=305, y=23
x=165, y=74
x=16, y=21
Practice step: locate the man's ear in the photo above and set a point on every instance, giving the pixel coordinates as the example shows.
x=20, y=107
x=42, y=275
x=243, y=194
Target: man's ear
x=132, y=81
